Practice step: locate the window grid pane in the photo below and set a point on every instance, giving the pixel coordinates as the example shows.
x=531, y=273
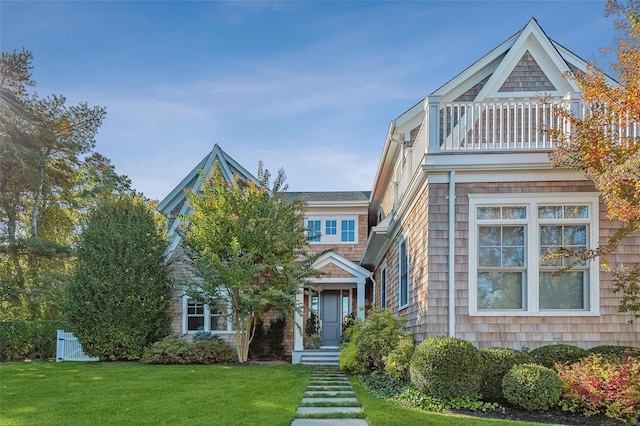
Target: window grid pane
x=314, y=230
x=330, y=227
x=404, y=274
x=348, y=230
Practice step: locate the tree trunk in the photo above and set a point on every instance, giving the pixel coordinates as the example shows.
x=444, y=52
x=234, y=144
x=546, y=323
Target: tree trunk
x=38, y=198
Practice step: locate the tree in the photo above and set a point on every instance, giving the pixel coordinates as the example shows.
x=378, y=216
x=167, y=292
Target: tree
x=246, y=244
x=118, y=298
x=602, y=143
x=46, y=188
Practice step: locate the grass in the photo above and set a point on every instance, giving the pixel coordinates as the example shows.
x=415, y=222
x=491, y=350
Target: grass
x=384, y=413
x=129, y=393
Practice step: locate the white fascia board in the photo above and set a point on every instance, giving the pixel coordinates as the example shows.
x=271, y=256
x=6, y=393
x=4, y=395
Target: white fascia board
x=411, y=118
x=336, y=204
x=527, y=173
x=385, y=166
x=486, y=160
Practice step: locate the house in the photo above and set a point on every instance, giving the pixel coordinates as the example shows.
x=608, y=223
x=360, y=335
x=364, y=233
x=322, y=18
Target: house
x=464, y=204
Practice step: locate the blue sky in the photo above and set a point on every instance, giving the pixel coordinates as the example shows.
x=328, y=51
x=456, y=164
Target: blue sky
x=310, y=86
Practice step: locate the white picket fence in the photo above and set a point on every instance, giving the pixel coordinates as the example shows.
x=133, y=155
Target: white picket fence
x=69, y=348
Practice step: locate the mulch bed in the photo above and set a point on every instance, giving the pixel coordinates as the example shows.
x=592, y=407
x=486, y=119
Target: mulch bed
x=554, y=417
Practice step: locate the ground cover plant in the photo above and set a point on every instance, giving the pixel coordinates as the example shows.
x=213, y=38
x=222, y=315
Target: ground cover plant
x=131, y=393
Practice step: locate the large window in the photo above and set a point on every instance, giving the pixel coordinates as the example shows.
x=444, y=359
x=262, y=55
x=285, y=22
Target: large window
x=519, y=252
x=198, y=317
x=333, y=229
x=403, y=273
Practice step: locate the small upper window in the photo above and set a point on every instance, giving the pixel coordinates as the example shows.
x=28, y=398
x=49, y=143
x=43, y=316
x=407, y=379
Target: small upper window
x=330, y=227
x=313, y=229
x=348, y=230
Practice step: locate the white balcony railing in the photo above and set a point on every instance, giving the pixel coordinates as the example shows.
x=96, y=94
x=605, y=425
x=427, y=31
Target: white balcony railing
x=484, y=127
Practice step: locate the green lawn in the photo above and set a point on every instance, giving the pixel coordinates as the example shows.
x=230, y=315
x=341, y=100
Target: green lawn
x=72, y=393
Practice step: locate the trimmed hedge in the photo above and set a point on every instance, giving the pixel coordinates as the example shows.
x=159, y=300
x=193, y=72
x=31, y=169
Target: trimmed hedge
x=178, y=351
x=446, y=368
x=496, y=363
x=20, y=340
x=532, y=387
x=549, y=355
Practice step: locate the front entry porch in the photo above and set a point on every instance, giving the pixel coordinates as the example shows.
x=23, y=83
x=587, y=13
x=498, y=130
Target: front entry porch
x=327, y=303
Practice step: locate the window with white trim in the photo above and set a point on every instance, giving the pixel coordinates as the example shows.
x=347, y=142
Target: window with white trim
x=314, y=230
x=519, y=251
x=198, y=317
x=383, y=285
x=332, y=229
x=403, y=274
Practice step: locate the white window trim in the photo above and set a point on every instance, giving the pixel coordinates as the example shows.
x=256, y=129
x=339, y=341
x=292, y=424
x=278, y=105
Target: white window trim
x=403, y=240
x=383, y=290
x=532, y=246
x=337, y=237
x=207, y=320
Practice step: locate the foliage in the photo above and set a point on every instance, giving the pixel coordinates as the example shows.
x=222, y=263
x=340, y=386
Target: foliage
x=496, y=363
x=446, y=367
x=597, y=385
x=397, y=362
x=134, y=394
x=118, y=298
x=22, y=340
x=406, y=395
x=202, y=336
x=532, y=387
x=246, y=243
x=268, y=343
x=312, y=326
x=172, y=350
x=312, y=341
x=550, y=355
x=45, y=188
x=371, y=340
x=615, y=352
x=350, y=359
x=600, y=144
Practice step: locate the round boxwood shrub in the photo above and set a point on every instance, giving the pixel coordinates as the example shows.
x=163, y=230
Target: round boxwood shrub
x=564, y=354
x=496, y=363
x=616, y=352
x=532, y=387
x=446, y=367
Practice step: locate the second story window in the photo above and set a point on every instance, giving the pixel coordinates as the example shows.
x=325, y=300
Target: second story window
x=314, y=230
x=330, y=227
x=348, y=231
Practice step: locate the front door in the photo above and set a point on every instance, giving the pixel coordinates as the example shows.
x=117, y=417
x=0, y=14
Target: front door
x=331, y=317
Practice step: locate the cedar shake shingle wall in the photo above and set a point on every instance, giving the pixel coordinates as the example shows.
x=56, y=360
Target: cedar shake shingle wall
x=527, y=76
x=534, y=331
x=426, y=230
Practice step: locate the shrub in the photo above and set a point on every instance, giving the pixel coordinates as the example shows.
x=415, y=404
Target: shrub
x=201, y=336
x=350, y=359
x=375, y=338
x=447, y=368
x=532, y=387
x=20, y=340
x=396, y=364
x=274, y=338
x=167, y=351
x=600, y=385
x=178, y=351
x=549, y=355
x=209, y=352
x=618, y=352
x=496, y=363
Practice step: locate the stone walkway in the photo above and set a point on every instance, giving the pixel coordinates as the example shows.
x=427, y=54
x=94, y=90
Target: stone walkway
x=329, y=400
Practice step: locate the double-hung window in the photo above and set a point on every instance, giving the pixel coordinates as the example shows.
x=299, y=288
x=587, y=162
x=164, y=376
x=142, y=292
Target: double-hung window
x=348, y=231
x=524, y=254
x=199, y=317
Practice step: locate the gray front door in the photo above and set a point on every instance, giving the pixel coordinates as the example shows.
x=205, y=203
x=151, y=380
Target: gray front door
x=330, y=316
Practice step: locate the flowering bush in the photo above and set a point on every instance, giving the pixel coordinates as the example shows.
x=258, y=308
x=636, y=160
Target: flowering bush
x=597, y=385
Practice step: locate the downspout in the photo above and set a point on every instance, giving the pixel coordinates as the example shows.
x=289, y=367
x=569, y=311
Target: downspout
x=374, y=289
x=452, y=253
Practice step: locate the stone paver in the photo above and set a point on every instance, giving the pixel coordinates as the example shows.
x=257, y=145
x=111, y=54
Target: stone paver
x=327, y=386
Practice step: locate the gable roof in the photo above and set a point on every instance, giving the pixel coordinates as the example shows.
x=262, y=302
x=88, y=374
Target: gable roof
x=175, y=203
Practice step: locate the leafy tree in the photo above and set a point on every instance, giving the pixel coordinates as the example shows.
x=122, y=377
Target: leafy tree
x=118, y=298
x=46, y=188
x=601, y=144
x=246, y=243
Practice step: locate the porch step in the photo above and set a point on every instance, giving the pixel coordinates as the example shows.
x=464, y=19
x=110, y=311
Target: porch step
x=320, y=357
